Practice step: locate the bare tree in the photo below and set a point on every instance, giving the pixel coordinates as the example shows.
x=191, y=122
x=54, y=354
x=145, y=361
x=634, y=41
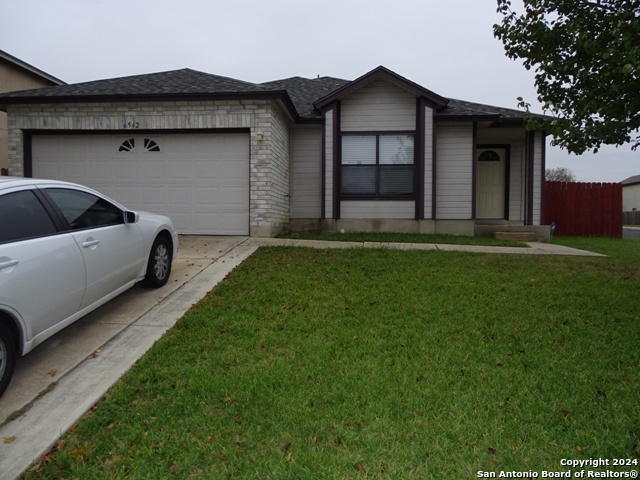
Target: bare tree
x=560, y=174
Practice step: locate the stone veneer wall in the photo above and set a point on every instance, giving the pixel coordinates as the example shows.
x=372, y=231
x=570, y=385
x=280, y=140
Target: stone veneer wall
x=269, y=178
x=270, y=174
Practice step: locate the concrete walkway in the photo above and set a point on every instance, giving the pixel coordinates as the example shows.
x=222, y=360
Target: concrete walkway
x=535, y=248
x=56, y=384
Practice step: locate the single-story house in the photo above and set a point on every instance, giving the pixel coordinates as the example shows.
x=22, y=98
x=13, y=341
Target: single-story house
x=17, y=75
x=227, y=157
x=631, y=194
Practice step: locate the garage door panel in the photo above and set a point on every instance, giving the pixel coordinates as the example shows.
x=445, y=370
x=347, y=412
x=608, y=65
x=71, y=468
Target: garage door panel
x=180, y=170
x=179, y=196
x=100, y=170
x=124, y=170
x=231, y=198
x=200, y=181
x=48, y=171
x=153, y=197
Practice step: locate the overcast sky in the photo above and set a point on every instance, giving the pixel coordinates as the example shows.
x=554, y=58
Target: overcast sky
x=444, y=45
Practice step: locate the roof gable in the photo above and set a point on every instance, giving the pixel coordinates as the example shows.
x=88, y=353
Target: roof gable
x=29, y=68
x=382, y=73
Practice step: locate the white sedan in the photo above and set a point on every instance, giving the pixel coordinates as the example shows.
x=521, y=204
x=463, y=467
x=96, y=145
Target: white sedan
x=65, y=250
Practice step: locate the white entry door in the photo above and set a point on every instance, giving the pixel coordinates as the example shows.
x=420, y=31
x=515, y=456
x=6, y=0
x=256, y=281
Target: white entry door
x=490, y=189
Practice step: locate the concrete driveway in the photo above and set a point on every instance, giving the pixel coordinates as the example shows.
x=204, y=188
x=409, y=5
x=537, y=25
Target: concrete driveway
x=64, y=351
x=631, y=232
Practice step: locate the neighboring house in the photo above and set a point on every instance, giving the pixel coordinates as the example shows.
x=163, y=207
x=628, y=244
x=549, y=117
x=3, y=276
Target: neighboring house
x=631, y=194
x=17, y=75
x=223, y=156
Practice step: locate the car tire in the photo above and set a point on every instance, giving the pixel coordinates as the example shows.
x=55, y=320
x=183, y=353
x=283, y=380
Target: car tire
x=159, y=264
x=7, y=356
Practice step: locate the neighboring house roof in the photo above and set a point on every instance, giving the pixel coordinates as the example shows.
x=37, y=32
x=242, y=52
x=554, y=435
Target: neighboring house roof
x=303, y=97
x=25, y=66
x=177, y=82
x=634, y=180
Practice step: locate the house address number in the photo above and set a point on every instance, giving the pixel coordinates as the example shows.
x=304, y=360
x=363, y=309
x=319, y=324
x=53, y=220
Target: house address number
x=130, y=125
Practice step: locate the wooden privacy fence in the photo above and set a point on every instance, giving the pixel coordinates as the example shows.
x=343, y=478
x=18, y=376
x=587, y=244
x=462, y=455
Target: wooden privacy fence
x=584, y=209
x=631, y=218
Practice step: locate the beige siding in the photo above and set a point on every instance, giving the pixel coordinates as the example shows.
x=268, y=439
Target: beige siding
x=378, y=210
x=12, y=78
x=428, y=162
x=306, y=171
x=328, y=165
x=630, y=198
x=380, y=106
x=489, y=135
x=454, y=171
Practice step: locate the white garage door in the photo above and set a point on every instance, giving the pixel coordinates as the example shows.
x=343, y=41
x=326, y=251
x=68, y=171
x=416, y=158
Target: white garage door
x=200, y=180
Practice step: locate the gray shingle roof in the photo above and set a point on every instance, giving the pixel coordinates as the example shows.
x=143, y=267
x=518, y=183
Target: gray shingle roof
x=176, y=82
x=304, y=91
x=463, y=108
x=298, y=93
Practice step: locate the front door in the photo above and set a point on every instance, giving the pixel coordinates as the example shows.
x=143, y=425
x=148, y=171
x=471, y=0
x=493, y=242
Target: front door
x=490, y=189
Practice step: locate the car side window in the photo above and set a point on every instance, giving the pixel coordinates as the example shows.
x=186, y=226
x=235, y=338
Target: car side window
x=84, y=210
x=22, y=217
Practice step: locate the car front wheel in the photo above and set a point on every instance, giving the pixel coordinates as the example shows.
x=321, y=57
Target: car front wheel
x=7, y=357
x=159, y=265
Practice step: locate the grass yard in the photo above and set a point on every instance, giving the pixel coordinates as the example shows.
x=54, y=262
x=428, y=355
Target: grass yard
x=381, y=364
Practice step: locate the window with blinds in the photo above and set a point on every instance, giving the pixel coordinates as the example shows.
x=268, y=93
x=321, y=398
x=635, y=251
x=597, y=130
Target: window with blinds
x=377, y=165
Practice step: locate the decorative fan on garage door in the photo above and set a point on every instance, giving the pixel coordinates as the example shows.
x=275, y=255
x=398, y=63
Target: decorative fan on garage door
x=149, y=145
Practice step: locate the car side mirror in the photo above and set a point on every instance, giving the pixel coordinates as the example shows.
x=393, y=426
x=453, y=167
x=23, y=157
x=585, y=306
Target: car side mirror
x=131, y=217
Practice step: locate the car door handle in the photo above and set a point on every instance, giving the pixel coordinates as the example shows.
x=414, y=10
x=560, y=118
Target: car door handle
x=8, y=264
x=90, y=243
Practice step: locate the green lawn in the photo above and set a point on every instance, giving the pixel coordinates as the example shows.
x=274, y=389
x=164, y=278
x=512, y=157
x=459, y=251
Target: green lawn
x=381, y=364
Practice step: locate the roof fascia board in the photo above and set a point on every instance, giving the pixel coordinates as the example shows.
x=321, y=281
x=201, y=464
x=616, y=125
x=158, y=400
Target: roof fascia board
x=465, y=118
x=433, y=100
x=280, y=96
